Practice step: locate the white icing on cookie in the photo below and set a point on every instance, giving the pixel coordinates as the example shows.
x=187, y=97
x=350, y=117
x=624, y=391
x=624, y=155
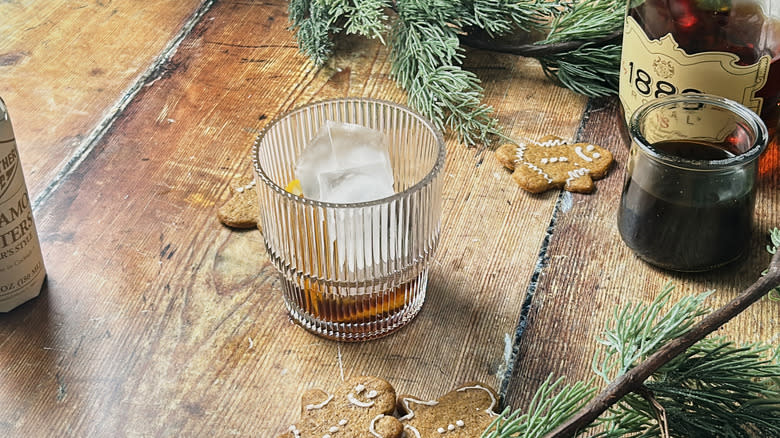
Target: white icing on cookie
x=441, y=430
x=552, y=143
x=413, y=430
x=460, y=423
x=493, y=401
x=343, y=422
x=358, y=403
x=520, y=154
x=372, y=394
x=246, y=187
x=319, y=405
x=547, y=160
x=539, y=171
x=359, y=388
x=372, y=426
x=579, y=152
x=576, y=173
x=410, y=415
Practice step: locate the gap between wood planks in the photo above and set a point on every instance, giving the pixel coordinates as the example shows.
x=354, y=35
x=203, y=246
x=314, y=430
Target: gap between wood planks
x=562, y=204
x=148, y=77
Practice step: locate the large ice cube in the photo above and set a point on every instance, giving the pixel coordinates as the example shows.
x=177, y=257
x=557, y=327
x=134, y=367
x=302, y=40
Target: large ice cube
x=345, y=163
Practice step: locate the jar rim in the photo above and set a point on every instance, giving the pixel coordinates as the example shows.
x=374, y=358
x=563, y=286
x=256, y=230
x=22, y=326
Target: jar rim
x=752, y=122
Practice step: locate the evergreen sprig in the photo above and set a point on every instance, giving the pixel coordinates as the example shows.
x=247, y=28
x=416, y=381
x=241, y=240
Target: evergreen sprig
x=553, y=402
x=314, y=25
x=426, y=64
x=589, y=69
x=713, y=389
x=639, y=330
x=426, y=38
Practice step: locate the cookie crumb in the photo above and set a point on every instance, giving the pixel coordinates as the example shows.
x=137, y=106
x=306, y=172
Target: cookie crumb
x=242, y=210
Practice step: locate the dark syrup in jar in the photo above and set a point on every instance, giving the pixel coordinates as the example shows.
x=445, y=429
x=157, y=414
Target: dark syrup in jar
x=736, y=28
x=679, y=235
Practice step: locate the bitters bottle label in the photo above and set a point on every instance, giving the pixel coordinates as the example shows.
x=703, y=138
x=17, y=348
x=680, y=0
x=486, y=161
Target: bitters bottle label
x=650, y=69
x=21, y=262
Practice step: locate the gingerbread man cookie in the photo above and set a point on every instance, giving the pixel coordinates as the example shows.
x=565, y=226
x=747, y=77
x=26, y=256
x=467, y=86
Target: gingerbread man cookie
x=360, y=407
x=552, y=162
x=242, y=209
x=462, y=413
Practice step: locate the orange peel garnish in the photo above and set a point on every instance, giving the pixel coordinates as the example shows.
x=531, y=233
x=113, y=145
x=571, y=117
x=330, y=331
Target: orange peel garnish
x=294, y=187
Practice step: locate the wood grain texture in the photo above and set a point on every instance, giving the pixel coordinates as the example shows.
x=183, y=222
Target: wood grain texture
x=66, y=67
x=158, y=321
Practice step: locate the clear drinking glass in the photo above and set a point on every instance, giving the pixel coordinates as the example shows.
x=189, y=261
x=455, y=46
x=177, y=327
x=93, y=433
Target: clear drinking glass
x=690, y=185
x=355, y=271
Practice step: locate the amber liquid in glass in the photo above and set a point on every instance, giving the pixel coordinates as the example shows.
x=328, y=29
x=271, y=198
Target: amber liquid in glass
x=679, y=235
x=736, y=29
x=360, y=309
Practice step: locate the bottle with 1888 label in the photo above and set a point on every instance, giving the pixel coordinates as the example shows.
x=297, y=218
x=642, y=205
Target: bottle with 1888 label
x=21, y=263
x=730, y=48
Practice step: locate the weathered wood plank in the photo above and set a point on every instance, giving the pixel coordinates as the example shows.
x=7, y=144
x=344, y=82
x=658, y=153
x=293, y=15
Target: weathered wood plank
x=66, y=67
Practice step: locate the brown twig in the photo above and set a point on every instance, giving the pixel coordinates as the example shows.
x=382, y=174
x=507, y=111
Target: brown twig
x=633, y=379
x=658, y=410
x=484, y=42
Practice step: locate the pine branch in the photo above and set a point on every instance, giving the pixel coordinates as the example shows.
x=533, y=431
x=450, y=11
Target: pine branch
x=587, y=20
x=713, y=389
x=479, y=40
x=636, y=376
x=425, y=48
x=424, y=64
x=589, y=70
x=313, y=24
x=581, y=51
x=640, y=330
x=367, y=18
x=551, y=405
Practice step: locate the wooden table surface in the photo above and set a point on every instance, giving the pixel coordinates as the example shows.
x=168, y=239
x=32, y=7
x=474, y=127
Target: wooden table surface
x=156, y=320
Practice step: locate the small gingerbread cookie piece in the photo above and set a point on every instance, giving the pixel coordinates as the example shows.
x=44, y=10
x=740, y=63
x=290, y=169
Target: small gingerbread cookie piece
x=552, y=162
x=242, y=209
x=360, y=407
x=462, y=413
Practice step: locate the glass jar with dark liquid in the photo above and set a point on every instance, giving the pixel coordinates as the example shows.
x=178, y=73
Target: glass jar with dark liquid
x=689, y=192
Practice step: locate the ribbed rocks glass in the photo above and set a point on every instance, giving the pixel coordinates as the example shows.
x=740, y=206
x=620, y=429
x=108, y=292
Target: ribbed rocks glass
x=354, y=271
